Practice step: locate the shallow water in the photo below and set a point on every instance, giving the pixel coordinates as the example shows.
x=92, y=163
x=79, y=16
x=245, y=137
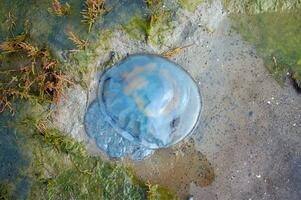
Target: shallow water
x=13, y=162
x=45, y=26
x=176, y=168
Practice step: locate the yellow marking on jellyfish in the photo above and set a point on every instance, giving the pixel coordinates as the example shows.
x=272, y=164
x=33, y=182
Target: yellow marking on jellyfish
x=138, y=70
x=174, y=101
x=172, y=97
x=139, y=102
x=134, y=72
x=134, y=85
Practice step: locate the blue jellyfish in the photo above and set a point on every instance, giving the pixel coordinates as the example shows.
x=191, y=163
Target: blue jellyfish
x=145, y=102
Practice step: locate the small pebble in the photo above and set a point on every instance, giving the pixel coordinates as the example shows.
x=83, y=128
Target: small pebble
x=190, y=197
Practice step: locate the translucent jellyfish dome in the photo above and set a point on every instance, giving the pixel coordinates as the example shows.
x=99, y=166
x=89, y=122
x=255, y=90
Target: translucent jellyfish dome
x=147, y=101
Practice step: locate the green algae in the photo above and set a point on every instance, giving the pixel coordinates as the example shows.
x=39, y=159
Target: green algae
x=160, y=22
x=274, y=28
x=160, y=28
x=155, y=28
x=158, y=25
x=156, y=192
x=61, y=168
x=6, y=191
x=260, y=6
x=138, y=28
x=190, y=5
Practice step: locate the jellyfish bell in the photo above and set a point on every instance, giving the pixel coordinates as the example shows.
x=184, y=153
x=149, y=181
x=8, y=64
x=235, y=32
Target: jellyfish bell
x=148, y=101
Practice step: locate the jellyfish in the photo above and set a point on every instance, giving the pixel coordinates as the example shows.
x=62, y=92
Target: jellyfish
x=144, y=103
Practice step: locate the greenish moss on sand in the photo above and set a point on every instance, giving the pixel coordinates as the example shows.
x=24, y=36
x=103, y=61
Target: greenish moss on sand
x=138, y=28
x=190, y=5
x=156, y=27
x=259, y=6
x=274, y=28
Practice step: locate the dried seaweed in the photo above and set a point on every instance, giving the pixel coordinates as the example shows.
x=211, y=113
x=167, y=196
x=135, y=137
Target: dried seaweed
x=58, y=9
x=29, y=73
x=93, y=10
x=174, y=51
x=80, y=44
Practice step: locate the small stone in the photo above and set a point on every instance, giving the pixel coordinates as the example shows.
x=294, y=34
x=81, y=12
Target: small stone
x=190, y=197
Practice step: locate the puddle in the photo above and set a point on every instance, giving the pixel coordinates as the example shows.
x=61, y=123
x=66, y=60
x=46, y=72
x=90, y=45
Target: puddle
x=13, y=182
x=176, y=168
